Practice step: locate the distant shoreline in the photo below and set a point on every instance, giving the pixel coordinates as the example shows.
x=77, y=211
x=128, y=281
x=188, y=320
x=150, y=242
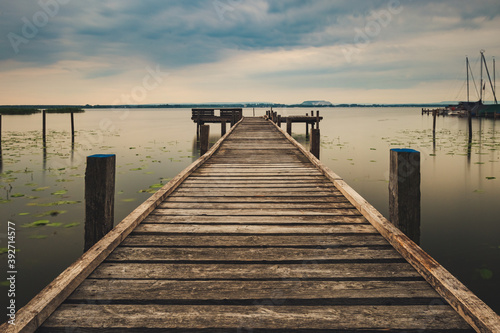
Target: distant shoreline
x=223, y=105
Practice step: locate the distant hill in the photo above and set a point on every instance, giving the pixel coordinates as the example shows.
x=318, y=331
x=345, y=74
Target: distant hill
x=316, y=103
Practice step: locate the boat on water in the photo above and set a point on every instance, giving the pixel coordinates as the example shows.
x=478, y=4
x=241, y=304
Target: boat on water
x=478, y=108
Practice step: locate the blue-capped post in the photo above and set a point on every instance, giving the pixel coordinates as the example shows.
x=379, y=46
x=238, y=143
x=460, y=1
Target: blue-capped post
x=404, y=192
x=99, y=197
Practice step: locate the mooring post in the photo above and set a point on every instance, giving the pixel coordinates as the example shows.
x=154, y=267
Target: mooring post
x=434, y=112
x=279, y=121
x=222, y=127
x=233, y=119
x=289, y=125
x=307, y=126
x=404, y=192
x=99, y=197
x=44, y=126
x=204, y=133
x=315, y=142
x=317, y=119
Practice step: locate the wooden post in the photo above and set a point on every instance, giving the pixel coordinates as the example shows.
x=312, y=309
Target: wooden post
x=44, y=126
x=289, y=125
x=279, y=120
x=404, y=192
x=233, y=120
x=317, y=119
x=0, y=135
x=204, y=133
x=99, y=197
x=222, y=127
x=254, y=112
x=307, y=127
x=315, y=142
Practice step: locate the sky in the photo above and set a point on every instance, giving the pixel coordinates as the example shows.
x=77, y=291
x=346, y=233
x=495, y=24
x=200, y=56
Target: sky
x=209, y=51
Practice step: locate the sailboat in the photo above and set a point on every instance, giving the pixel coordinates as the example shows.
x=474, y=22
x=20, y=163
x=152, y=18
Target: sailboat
x=478, y=109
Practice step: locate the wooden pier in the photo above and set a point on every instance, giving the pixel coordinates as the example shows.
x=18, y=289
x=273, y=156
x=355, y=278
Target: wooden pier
x=256, y=236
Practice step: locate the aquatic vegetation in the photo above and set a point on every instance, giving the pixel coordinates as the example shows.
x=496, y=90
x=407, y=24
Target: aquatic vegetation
x=71, y=225
x=35, y=224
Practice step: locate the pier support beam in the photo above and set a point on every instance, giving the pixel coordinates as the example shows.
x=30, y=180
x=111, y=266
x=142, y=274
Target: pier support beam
x=289, y=126
x=204, y=133
x=222, y=127
x=315, y=142
x=279, y=121
x=99, y=197
x=404, y=192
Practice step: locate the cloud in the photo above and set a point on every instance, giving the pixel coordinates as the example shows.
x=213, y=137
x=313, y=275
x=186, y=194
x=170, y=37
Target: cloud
x=219, y=46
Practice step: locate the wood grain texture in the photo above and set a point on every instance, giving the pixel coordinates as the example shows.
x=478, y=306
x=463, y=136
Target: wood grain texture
x=257, y=238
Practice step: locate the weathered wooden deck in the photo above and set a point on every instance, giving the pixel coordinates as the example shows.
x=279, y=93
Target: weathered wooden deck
x=257, y=238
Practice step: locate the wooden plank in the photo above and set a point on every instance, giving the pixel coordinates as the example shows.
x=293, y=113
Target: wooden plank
x=282, y=318
x=259, y=212
x=248, y=254
x=29, y=317
x=315, y=219
x=144, y=290
x=254, y=229
x=262, y=240
x=255, y=206
x=336, y=197
x=275, y=270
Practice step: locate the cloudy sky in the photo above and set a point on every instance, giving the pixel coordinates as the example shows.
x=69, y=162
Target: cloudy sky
x=283, y=51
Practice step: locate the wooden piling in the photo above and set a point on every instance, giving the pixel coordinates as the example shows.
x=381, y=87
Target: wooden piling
x=233, y=121
x=222, y=127
x=0, y=134
x=307, y=127
x=317, y=119
x=434, y=112
x=315, y=142
x=289, y=126
x=404, y=192
x=279, y=120
x=99, y=197
x=44, y=126
x=204, y=133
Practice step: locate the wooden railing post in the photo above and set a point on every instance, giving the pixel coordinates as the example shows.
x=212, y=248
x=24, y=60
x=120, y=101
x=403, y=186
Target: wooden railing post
x=289, y=126
x=315, y=142
x=99, y=197
x=307, y=127
x=204, y=133
x=279, y=120
x=404, y=192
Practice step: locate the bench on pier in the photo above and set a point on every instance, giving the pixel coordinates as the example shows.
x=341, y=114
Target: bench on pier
x=195, y=113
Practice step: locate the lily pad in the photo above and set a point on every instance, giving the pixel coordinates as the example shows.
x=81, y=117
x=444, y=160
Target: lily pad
x=128, y=200
x=38, y=236
x=55, y=224
x=51, y=213
x=60, y=192
x=40, y=189
x=71, y=225
x=491, y=178
x=35, y=224
x=486, y=274
x=23, y=214
x=17, y=195
x=156, y=186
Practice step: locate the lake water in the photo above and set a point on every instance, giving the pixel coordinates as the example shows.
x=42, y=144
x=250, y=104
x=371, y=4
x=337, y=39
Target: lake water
x=41, y=189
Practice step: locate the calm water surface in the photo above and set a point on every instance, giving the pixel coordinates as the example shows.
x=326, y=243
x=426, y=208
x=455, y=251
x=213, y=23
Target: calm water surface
x=41, y=190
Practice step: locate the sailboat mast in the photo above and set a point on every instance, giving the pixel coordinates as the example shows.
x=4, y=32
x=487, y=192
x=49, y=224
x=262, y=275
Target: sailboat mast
x=467, y=68
x=481, y=82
